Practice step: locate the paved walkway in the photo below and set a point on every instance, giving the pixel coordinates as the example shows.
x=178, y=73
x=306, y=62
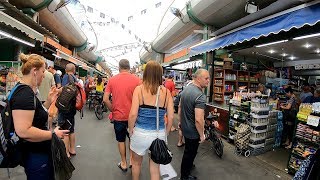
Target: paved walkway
x=97, y=158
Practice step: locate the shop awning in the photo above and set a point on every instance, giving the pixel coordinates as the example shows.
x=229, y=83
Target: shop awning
x=306, y=14
x=10, y=21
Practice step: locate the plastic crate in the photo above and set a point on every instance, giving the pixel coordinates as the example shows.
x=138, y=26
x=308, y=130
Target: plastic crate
x=270, y=141
x=258, y=121
x=258, y=135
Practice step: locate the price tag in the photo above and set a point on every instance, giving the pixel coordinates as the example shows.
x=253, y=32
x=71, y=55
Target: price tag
x=313, y=120
x=236, y=116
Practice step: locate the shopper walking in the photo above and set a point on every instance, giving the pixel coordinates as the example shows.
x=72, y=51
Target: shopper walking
x=121, y=87
x=143, y=121
x=66, y=119
x=191, y=117
x=169, y=84
x=56, y=76
x=30, y=120
x=45, y=86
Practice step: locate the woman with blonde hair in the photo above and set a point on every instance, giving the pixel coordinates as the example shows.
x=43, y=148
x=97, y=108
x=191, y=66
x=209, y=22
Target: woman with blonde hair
x=30, y=119
x=142, y=117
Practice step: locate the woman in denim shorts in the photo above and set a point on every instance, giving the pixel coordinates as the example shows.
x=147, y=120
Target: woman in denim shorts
x=142, y=118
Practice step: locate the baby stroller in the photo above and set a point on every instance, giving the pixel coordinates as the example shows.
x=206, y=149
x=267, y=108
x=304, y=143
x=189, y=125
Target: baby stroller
x=241, y=140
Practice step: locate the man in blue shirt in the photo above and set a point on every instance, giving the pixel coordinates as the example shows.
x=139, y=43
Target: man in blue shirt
x=66, y=119
x=314, y=98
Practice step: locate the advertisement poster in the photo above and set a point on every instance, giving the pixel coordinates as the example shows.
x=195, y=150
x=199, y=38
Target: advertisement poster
x=223, y=119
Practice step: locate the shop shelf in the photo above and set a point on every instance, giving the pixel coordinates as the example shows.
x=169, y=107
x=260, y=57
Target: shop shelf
x=230, y=80
x=218, y=92
x=258, y=116
x=218, y=77
x=256, y=109
x=218, y=85
x=253, y=82
x=243, y=81
x=218, y=100
x=229, y=92
x=218, y=69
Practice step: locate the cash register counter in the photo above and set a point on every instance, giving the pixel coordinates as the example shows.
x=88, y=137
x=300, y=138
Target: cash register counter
x=222, y=110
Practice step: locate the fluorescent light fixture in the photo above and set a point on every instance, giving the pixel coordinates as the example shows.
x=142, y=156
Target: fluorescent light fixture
x=55, y=55
x=306, y=36
x=16, y=38
x=271, y=51
x=251, y=7
x=307, y=45
x=22, y=41
x=284, y=54
x=317, y=51
x=5, y=34
x=276, y=42
x=292, y=57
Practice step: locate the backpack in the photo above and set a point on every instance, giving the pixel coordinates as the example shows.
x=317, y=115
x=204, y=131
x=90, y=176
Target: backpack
x=68, y=94
x=10, y=143
x=81, y=97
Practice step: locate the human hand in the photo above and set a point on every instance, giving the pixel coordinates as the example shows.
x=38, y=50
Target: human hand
x=130, y=132
x=53, y=94
x=202, y=138
x=61, y=133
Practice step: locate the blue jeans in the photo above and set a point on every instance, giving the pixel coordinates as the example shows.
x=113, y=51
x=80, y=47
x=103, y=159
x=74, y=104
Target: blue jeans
x=38, y=166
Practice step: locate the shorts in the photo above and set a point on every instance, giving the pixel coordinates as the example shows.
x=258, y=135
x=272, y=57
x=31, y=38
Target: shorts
x=141, y=140
x=121, y=130
x=66, y=122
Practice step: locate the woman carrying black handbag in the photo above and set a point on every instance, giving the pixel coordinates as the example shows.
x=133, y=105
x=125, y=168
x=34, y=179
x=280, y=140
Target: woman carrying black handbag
x=150, y=100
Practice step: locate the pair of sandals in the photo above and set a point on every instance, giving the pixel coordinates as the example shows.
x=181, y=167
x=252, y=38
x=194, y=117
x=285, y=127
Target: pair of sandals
x=123, y=169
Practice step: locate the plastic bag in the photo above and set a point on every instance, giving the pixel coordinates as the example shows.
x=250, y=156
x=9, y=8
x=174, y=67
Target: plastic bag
x=159, y=152
x=63, y=167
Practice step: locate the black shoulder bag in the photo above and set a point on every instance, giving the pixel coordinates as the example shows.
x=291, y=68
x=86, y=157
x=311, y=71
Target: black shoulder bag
x=159, y=152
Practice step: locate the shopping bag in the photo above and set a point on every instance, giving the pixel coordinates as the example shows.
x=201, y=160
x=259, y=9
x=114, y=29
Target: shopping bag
x=167, y=172
x=62, y=165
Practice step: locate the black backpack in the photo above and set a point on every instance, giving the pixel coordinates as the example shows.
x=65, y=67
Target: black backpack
x=10, y=143
x=68, y=94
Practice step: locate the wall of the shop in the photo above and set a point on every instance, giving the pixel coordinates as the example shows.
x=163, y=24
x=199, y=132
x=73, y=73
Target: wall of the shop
x=7, y=51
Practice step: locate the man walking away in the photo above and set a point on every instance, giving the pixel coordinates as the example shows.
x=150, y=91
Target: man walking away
x=191, y=117
x=46, y=84
x=66, y=119
x=56, y=75
x=121, y=87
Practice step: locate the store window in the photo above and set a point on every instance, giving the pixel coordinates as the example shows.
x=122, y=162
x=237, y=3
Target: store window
x=158, y=4
x=130, y=18
x=144, y=11
x=90, y=9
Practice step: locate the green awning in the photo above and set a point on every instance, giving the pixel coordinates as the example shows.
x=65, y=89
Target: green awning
x=10, y=21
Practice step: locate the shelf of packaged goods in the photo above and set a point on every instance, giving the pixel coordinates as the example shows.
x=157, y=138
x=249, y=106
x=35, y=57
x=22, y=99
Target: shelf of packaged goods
x=254, y=82
x=218, y=92
x=218, y=65
x=230, y=81
x=243, y=81
x=218, y=85
x=219, y=100
x=228, y=92
x=218, y=77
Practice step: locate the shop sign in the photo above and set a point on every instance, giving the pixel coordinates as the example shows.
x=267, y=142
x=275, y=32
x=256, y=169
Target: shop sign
x=306, y=66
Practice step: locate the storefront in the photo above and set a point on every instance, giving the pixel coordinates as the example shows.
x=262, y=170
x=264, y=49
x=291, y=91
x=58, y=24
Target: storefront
x=276, y=51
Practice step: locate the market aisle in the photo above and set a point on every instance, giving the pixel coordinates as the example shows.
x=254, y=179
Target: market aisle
x=98, y=155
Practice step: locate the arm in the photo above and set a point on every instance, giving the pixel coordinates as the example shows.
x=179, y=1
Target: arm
x=106, y=100
x=134, y=110
x=23, y=125
x=199, y=117
x=170, y=112
x=106, y=96
x=287, y=107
